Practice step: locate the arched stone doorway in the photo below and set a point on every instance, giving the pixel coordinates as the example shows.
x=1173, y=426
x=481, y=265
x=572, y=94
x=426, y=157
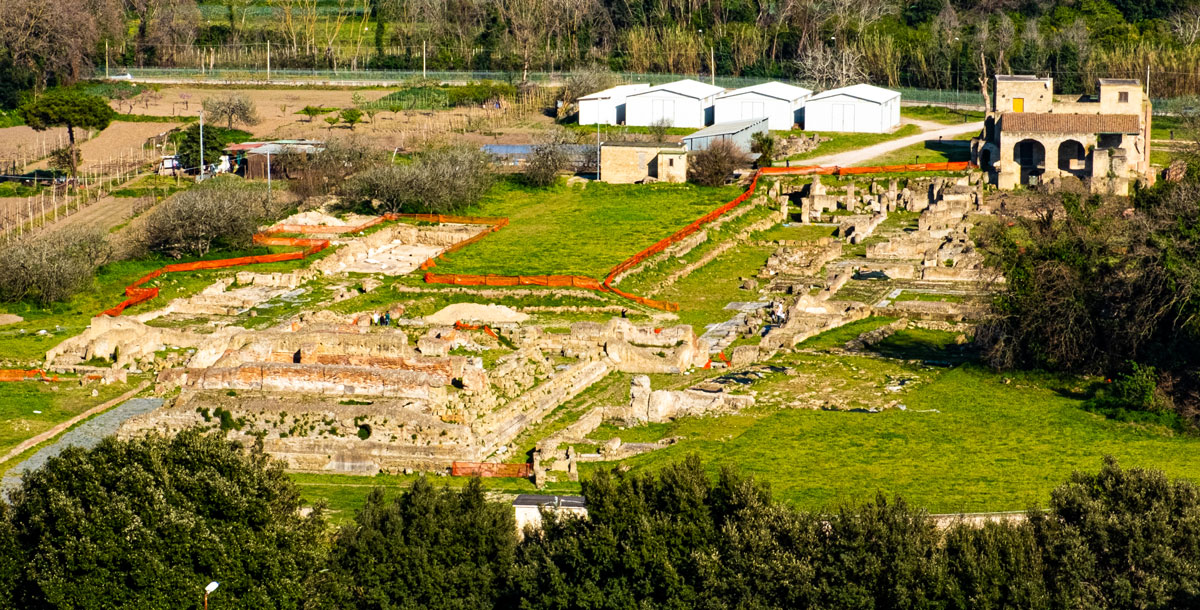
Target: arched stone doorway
x=1030, y=155
x=1072, y=157
x=985, y=159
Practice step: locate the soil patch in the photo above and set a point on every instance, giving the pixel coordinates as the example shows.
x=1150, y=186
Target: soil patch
x=475, y=312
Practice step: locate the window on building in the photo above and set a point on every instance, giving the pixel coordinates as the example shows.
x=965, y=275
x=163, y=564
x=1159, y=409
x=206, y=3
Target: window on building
x=670, y=163
x=1123, y=97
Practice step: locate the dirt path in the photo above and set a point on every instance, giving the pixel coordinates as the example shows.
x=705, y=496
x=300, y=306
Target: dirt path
x=856, y=157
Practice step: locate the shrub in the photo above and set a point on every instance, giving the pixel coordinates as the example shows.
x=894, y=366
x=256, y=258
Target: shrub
x=51, y=266
x=713, y=165
x=765, y=145
x=324, y=173
x=223, y=211
x=548, y=158
x=437, y=181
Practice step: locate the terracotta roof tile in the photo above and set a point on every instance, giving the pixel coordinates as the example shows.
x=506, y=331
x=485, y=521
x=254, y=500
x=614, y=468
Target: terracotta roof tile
x=1033, y=122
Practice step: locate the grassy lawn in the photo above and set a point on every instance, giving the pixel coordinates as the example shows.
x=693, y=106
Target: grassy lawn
x=795, y=232
x=55, y=403
x=842, y=142
x=1162, y=126
x=929, y=151
x=970, y=439
x=561, y=230
x=941, y=114
x=703, y=295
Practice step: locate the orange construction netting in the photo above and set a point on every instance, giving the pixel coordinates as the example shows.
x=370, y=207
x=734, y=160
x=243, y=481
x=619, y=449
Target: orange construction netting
x=22, y=375
x=489, y=469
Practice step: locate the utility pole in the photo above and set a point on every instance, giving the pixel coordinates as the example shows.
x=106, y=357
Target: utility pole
x=268, y=175
x=201, y=144
x=712, y=65
x=423, y=59
x=268, y=61
x=1148, y=83
x=597, y=148
x=106, y=59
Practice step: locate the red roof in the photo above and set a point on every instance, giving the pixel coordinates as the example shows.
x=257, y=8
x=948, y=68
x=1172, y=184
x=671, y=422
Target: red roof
x=1049, y=122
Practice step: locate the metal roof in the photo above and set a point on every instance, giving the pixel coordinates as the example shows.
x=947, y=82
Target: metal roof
x=1036, y=122
x=729, y=128
x=619, y=90
x=1121, y=81
x=775, y=89
x=279, y=148
x=862, y=91
x=686, y=87
x=1021, y=77
x=550, y=501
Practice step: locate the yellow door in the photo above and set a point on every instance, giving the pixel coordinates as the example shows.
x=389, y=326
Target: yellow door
x=1018, y=104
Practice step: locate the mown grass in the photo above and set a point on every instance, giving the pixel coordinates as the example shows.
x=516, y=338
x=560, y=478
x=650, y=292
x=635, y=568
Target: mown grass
x=561, y=230
x=842, y=142
x=703, y=295
x=56, y=401
x=929, y=151
x=941, y=114
x=794, y=232
x=970, y=440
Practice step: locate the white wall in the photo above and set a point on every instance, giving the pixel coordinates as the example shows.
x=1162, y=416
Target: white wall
x=781, y=114
x=850, y=114
x=646, y=108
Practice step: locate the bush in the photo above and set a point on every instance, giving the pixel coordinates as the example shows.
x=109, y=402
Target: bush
x=548, y=158
x=713, y=165
x=765, y=145
x=223, y=211
x=326, y=172
x=51, y=266
x=438, y=181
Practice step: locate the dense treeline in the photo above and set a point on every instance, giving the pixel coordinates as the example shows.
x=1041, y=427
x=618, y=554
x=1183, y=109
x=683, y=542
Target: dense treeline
x=147, y=523
x=941, y=44
x=1107, y=290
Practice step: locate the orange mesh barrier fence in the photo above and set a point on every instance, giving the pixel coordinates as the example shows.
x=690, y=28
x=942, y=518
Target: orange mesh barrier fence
x=488, y=469
x=487, y=329
x=22, y=375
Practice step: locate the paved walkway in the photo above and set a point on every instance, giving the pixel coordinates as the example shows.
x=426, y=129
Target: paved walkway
x=85, y=435
x=862, y=155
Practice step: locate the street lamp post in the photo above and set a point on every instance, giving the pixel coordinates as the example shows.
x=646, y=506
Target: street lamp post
x=212, y=586
x=202, y=145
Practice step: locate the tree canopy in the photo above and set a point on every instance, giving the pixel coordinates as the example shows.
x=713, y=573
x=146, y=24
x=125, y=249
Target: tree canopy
x=147, y=523
x=68, y=108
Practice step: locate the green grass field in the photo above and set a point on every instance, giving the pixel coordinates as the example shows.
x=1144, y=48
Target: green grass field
x=941, y=114
x=969, y=439
x=561, y=230
x=53, y=402
x=842, y=142
x=929, y=151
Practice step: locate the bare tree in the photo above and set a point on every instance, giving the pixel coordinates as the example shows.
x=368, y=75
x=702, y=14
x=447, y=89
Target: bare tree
x=233, y=108
x=51, y=266
x=827, y=67
x=1186, y=24
x=526, y=20
x=715, y=164
x=440, y=180
x=219, y=212
x=549, y=157
x=658, y=129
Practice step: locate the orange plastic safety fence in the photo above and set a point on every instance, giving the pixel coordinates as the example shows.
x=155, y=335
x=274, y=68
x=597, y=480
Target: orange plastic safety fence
x=488, y=469
x=487, y=329
x=22, y=375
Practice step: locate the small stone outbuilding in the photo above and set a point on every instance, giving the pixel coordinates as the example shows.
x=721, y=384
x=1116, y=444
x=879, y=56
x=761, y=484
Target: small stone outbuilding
x=634, y=162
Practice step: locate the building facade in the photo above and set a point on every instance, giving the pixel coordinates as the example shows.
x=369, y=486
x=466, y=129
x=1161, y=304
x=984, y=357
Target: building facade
x=1031, y=135
x=684, y=103
x=741, y=133
x=780, y=103
x=633, y=162
x=607, y=107
x=858, y=109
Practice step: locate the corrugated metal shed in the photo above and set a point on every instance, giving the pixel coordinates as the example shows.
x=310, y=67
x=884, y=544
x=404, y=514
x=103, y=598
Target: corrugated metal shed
x=740, y=132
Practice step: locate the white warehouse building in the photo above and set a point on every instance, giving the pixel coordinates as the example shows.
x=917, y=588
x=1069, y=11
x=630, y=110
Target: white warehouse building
x=607, y=107
x=780, y=103
x=685, y=103
x=858, y=108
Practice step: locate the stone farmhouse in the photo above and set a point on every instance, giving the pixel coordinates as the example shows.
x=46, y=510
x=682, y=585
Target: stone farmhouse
x=1031, y=135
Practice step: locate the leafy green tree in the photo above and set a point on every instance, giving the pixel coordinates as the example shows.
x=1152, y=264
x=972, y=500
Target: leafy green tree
x=993, y=566
x=215, y=141
x=147, y=523
x=332, y=120
x=312, y=112
x=11, y=562
x=426, y=548
x=351, y=116
x=67, y=108
x=766, y=146
x=1121, y=538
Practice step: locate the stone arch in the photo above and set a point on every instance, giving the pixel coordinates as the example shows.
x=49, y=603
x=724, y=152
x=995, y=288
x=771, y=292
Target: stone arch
x=1072, y=157
x=985, y=159
x=1030, y=155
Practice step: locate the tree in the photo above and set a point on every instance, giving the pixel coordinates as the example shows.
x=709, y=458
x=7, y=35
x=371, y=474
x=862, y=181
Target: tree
x=351, y=116
x=312, y=112
x=1121, y=539
x=325, y=172
x=234, y=108
x=215, y=141
x=658, y=129
x=440, y=180
x=715, y=164
x=145, y=523
x=224, y=212
x=764, y=144
x=11, y=563
x=332, y=120
x=51, y=266
x=425, y=548
x=67, y=108
x=548, y=157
